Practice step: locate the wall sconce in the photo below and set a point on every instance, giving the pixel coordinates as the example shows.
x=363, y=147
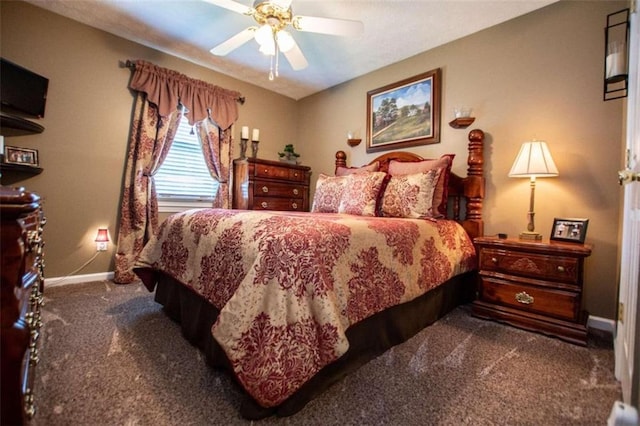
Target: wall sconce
x=533, y=160
x=352, y=140
x=616, y=53
x=462, y=118
x=102, y=239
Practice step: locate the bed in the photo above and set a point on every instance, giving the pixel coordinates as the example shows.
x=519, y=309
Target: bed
x=291, y=302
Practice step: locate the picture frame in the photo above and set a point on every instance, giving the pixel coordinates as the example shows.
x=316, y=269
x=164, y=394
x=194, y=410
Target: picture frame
x=572, y=230
x=405, y=113
x=22, y=156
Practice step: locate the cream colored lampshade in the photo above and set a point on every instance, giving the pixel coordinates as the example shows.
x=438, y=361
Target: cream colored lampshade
x=534, y=160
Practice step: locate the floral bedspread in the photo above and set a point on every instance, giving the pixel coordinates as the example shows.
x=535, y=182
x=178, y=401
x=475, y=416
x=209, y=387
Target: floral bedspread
x=289, y=284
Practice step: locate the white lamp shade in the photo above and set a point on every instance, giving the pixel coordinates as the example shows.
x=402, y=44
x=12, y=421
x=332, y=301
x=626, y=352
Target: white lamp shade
x=264, y=35
x=534, y=160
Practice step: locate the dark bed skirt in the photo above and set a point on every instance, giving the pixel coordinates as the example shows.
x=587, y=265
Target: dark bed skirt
x=367, y=339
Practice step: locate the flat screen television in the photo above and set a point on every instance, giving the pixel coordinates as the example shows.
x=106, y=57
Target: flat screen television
x=22, y=91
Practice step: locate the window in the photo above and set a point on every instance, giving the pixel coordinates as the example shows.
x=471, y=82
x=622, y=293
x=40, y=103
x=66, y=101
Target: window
x=183, y=181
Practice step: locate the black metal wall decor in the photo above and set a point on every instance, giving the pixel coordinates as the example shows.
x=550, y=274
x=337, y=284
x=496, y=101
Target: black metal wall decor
x=616, y=54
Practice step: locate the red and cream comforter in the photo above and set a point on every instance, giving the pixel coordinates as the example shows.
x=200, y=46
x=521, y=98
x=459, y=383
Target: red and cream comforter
x=289, y=284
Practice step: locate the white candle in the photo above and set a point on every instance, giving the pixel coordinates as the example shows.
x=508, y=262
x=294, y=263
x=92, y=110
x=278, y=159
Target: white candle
x=245, y=132
x=615, y=64
x=256, y=135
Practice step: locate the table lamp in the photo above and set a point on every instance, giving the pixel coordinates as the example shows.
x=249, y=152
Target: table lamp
x=534, y=160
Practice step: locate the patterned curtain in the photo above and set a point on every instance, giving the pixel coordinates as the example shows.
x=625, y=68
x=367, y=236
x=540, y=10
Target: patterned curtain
x=159, y=91
x=217, y=149
x=151, y=138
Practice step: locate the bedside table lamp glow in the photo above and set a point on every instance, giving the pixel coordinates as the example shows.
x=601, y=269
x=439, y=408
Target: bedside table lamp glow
x=534, y=160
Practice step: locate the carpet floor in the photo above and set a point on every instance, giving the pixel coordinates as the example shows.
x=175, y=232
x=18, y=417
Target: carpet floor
x=110, y=356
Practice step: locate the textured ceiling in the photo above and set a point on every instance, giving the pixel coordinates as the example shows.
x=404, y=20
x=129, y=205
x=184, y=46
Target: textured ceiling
x=393, y=30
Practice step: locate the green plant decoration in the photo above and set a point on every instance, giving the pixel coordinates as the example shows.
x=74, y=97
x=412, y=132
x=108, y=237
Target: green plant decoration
x=289, y=153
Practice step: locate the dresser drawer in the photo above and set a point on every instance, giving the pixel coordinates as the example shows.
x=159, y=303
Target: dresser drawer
x=283, y=204
x=272, y=189
x=279, y=172
x=556, y=303
x=532, y=265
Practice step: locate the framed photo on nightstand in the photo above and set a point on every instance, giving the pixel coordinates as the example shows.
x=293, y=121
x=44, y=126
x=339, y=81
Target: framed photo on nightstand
x=569, y=230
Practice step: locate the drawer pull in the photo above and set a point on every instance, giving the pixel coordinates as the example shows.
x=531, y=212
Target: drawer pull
x=265, y=189
x=264, y=204
x=295, y=191
x=494, y=260
x=561, y=268
x=524, y=298
x=29, y=406
x=294, y=206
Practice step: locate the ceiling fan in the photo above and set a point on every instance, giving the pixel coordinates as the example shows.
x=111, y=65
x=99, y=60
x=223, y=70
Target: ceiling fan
x=272, y=18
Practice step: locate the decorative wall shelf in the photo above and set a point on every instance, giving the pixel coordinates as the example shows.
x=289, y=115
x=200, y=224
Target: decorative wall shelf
x=12, y=173
x=12, y=125
x=461, y=122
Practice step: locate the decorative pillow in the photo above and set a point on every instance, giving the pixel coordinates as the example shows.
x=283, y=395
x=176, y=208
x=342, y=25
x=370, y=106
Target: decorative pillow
x=328, y=194
x=361, y=193
x=344, y=171
x=410, y=196
x=441, y=191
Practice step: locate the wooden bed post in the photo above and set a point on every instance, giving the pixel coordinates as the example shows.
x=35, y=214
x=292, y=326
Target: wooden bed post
x=474, y=185
x=341, y=159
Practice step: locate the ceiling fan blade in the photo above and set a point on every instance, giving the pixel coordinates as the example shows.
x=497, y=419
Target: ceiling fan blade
x=231, y=5
x=234, y=42
x=342, y=27
x=295, y=57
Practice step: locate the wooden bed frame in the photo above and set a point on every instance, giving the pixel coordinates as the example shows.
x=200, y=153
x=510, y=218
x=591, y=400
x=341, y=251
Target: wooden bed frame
x=465, y=194
x=368, y=338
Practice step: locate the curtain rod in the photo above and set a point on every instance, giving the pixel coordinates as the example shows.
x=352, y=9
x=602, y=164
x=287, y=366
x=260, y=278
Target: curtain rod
x=132, y=65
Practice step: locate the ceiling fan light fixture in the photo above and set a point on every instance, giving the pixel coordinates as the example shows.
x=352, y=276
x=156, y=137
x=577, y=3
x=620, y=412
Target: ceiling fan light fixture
x=264, y=35
x=268, y=49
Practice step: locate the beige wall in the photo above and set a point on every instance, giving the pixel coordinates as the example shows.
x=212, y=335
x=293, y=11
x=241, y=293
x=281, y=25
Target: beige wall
x=87, y=119
x=536, y=76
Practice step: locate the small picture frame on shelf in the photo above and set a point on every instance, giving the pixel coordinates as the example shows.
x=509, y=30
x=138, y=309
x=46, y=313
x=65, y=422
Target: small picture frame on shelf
x=22, y=156
x=572, y=230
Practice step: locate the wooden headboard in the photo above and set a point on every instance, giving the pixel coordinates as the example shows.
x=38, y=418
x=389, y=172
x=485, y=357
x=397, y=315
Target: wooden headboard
x=466, y=194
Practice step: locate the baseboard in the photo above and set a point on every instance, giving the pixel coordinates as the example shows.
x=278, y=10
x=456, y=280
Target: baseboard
x=77, y=279
x=603, y=324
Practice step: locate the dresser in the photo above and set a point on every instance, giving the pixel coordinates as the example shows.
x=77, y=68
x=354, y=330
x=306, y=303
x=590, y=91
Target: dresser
x=22, y=288
x=537, y=286
x=270, y=185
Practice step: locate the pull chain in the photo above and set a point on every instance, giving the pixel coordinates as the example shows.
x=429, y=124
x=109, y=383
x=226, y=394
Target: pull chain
x=271, y=69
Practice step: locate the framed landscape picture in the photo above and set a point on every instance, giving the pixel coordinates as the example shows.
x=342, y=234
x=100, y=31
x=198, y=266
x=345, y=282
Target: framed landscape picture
x=404, y=114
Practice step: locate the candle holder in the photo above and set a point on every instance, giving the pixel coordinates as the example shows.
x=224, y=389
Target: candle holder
x=616, y=65
x=243, y=148
x=254, y=149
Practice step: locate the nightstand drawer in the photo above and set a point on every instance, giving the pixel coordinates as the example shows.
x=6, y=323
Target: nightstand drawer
x=557, y=303
x=270, y=189
x=283, y=204
x=532, y=265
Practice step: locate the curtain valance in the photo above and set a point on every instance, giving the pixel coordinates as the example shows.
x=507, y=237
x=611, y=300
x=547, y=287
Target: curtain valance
x=166, y=89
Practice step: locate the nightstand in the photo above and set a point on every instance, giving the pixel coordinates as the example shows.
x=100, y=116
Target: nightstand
x=533, y=285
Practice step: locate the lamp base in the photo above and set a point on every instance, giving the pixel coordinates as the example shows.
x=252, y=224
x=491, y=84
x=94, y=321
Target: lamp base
x=529, y=235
